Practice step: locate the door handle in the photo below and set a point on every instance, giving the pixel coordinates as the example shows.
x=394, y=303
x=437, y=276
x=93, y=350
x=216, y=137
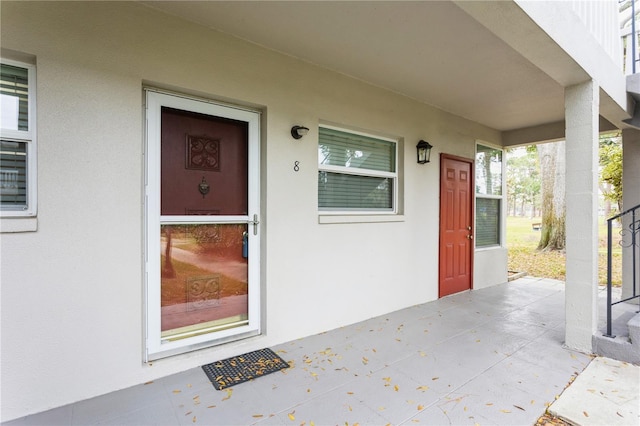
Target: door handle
x=255, y=222
x=470, y=237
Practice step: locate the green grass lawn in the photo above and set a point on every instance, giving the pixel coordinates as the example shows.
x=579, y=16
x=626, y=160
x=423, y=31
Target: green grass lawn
x=522, y=241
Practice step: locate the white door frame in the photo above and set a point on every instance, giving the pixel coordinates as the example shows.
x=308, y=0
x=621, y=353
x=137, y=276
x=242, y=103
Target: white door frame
x=155, y=346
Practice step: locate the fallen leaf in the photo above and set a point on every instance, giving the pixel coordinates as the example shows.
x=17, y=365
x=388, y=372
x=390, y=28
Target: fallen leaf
x=533, y=401
x=229, y=392
x=257, y=416
x=585, y=414
x=505, y=411
x=420, y=407
x=177, y=391
x=365, y=361
x=435, y=378
x=211, y=406
x=396, y=388
x=194, y=419
x=349, y=393
x=149, y=382
x=519, y=408
x=619, y=414
x=422, y=388
x=188, y=412
x=291, y=416
x=489, y=404
x=350, y=409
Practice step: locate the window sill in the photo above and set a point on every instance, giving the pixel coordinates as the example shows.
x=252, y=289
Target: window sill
x=18, y=224
x=358, y=218
x=491, y=247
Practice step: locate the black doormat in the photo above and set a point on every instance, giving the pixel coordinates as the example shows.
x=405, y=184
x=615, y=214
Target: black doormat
x=241, y=368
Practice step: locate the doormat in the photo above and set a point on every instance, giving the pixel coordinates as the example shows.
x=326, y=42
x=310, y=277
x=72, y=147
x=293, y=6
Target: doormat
x=241, y=368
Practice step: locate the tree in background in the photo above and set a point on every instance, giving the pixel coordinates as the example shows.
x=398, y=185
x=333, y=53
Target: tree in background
x=611, y=170
x=523, y=181
x=552, y=172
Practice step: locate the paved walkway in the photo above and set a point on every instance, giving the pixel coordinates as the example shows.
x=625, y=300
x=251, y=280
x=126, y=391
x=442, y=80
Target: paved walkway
x=607, y=392
x=487, y=357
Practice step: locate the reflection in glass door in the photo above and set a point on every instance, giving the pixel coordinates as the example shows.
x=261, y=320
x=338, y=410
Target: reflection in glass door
x=202, y=215
x=204, y=280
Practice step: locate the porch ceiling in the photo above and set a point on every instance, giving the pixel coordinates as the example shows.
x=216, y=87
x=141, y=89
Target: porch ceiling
x=433, y=52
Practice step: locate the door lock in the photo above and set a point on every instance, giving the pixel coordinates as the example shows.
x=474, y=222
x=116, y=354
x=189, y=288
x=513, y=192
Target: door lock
x=470, y=237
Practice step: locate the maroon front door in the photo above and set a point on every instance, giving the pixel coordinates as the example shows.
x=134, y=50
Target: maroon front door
x=456, y=219
x=204, y=175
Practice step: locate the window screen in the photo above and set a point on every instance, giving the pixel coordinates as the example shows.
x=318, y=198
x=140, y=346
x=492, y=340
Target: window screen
x=14, y=97
x=487, y=221
x=488, y=174
x=355, y=172
x=17, y=139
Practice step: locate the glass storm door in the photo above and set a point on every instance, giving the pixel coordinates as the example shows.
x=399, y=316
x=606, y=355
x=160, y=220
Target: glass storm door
x=202, y=224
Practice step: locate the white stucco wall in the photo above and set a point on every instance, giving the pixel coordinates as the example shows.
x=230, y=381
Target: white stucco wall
x=490, y=267
x=72, y=292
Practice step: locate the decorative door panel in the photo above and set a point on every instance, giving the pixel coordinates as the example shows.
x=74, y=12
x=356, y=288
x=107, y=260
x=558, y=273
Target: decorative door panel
x=203, y=151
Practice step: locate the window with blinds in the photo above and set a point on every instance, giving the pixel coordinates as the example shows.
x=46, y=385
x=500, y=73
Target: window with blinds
x=489, y=196
x=356, y=172
x=487, y=222
x=13, y=174
x=17, y=141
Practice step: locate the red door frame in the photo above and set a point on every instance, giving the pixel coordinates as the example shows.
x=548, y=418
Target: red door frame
x=454, y=276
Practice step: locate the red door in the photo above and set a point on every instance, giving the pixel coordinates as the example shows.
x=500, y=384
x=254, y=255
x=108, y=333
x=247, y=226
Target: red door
x=456, y=221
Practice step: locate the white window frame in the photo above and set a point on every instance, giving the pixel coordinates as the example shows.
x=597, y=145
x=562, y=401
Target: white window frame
x=328, y=213
x=29, y=138
x=501, y=197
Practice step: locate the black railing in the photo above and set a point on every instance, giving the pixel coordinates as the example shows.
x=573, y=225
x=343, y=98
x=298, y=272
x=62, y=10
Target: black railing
x=630, y=241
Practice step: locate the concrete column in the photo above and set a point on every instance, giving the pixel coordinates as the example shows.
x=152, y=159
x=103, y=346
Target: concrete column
x=581, y=292
x=630, y=198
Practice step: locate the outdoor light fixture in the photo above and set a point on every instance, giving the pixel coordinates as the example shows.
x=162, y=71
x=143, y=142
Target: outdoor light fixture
x=424, y=152
x=299, y=131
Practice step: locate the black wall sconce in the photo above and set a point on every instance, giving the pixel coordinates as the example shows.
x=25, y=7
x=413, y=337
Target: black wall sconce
x=424, y=152
x=299, y=131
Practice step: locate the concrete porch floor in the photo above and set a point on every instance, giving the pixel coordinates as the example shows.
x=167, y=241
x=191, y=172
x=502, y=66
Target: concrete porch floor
x=491, y=356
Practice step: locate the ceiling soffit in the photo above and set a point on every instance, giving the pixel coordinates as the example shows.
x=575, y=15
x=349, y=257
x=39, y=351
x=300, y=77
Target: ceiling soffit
x=433, y=52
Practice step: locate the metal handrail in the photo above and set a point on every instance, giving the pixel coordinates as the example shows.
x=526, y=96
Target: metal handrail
x=634, y=230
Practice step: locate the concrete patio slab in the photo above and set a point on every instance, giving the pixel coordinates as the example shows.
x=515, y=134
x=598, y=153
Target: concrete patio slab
x=489, y=357
x=607, y=392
